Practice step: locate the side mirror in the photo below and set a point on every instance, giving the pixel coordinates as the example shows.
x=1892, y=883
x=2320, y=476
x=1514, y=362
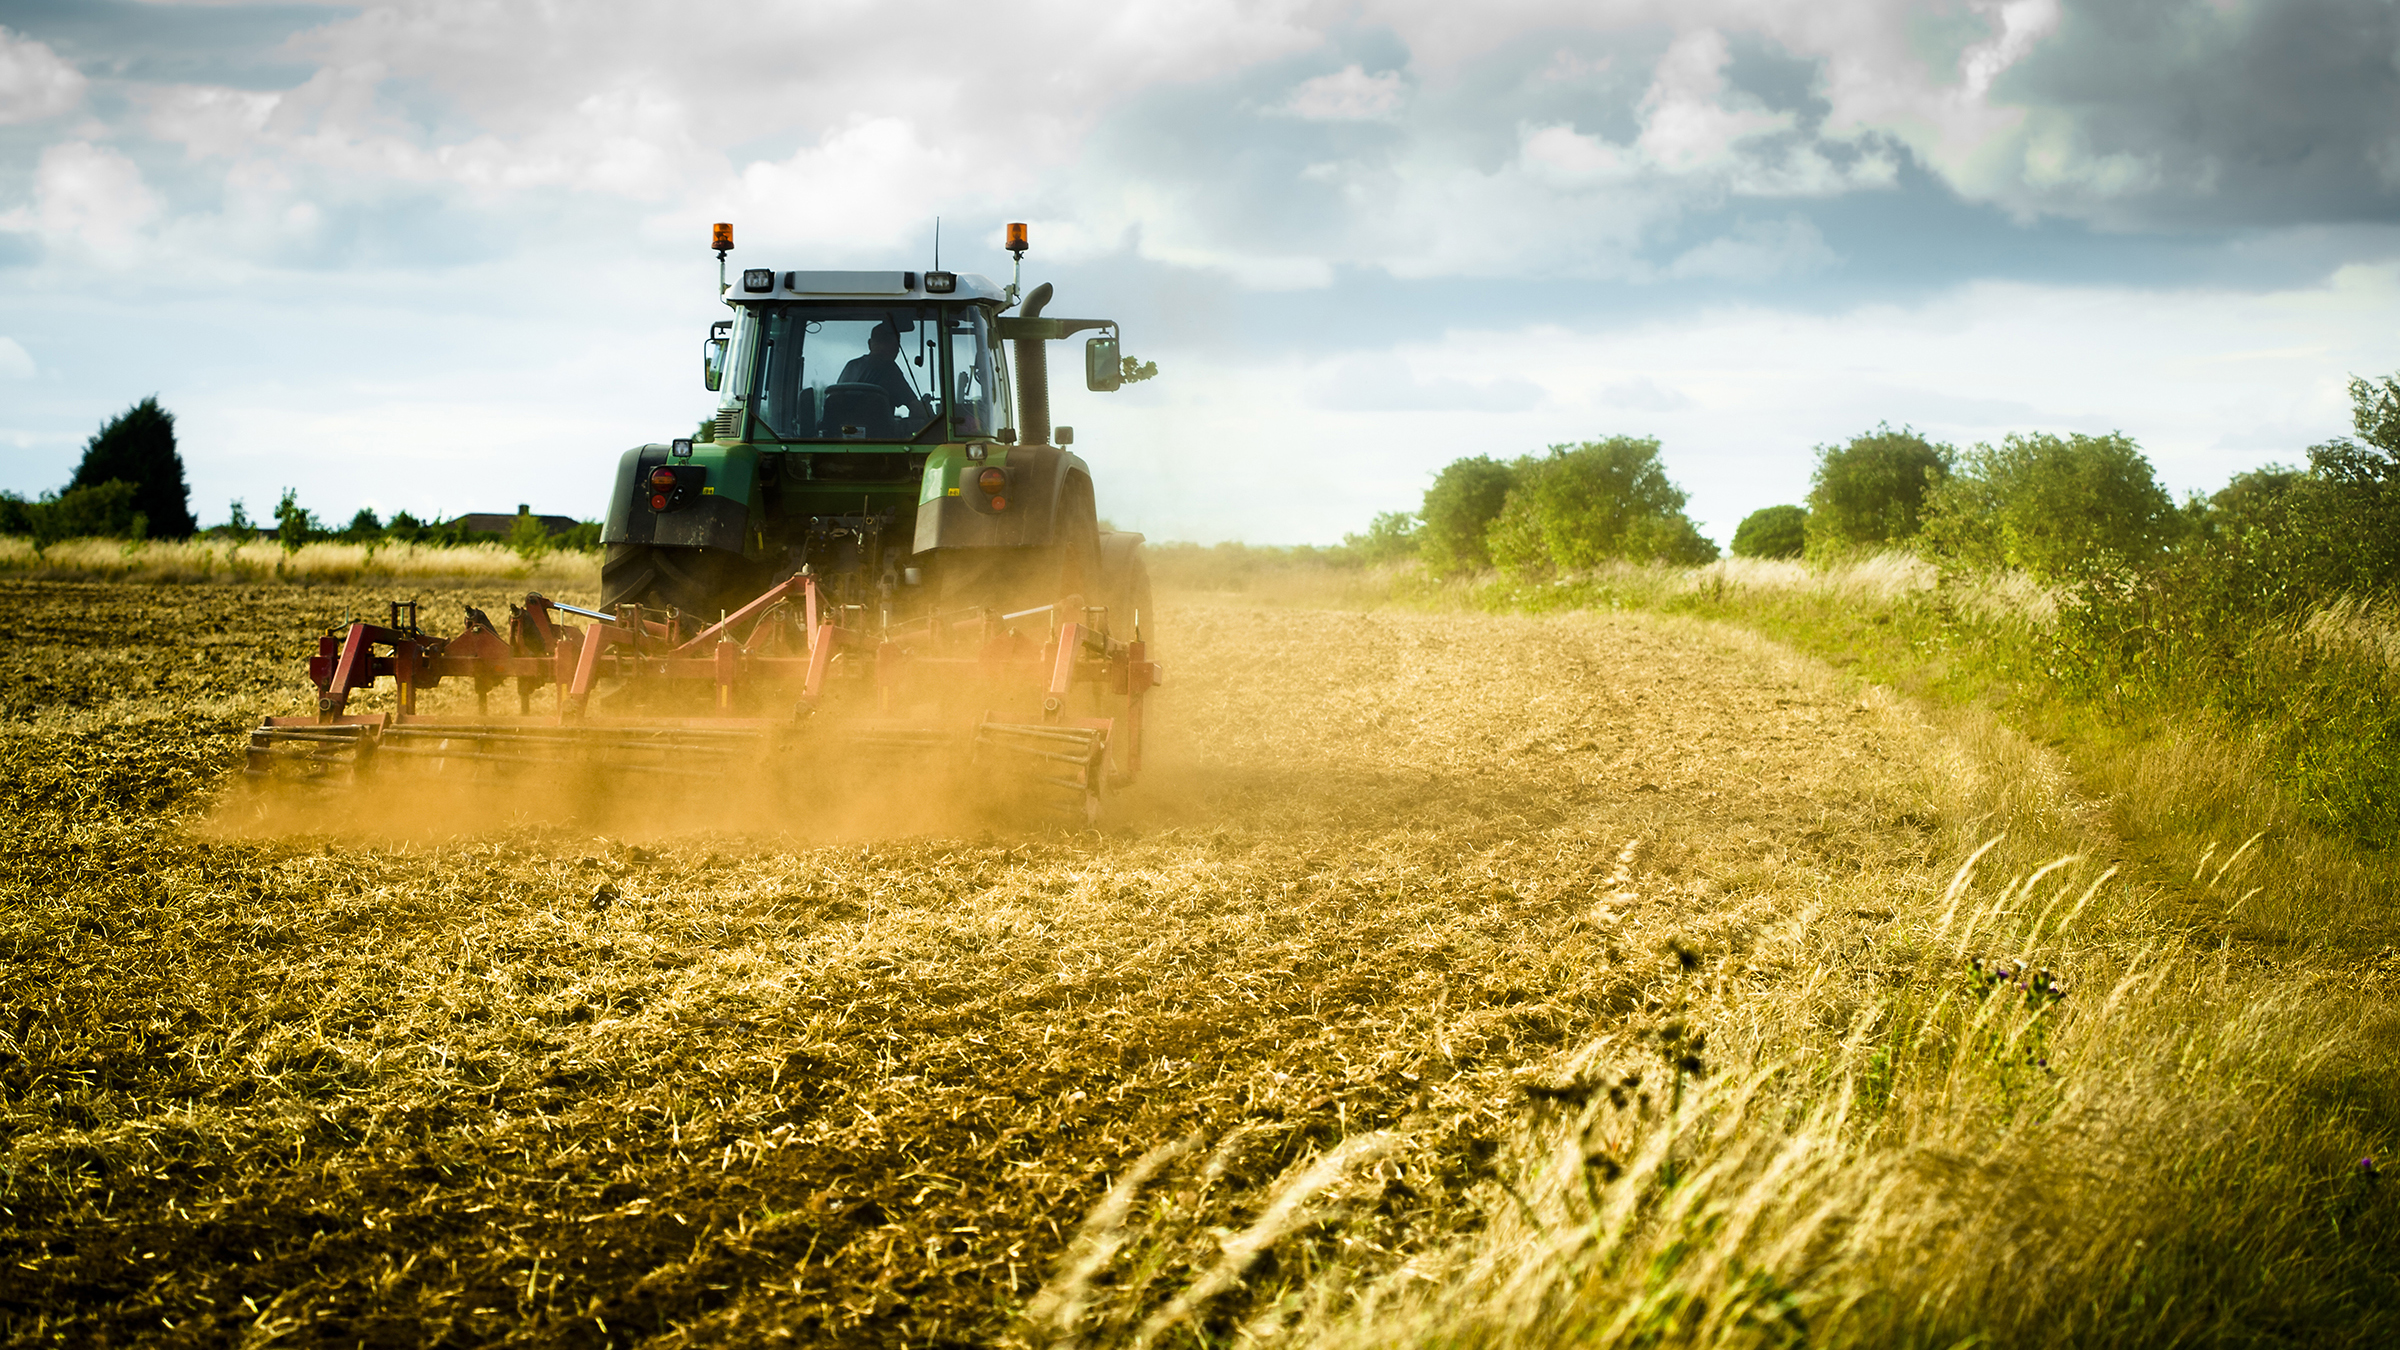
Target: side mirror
x=712, y=354
x=1103, y=371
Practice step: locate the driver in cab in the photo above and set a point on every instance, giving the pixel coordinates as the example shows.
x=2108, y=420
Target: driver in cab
x=881, y=367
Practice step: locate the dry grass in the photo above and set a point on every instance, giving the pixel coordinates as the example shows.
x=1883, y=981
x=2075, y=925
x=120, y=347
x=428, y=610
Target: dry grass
x=1264, y=1059
x=206, y=560
x=2355, y=626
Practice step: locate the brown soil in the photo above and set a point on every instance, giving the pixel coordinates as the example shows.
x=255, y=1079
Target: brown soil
x=677, y=1084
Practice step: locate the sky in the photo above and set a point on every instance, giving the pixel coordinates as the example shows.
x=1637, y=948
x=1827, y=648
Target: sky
x=451, y=255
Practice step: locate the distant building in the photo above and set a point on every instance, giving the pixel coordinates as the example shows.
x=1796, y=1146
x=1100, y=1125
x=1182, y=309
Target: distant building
x=494, y=523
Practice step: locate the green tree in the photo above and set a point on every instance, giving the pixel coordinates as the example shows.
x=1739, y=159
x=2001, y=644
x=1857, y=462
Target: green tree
x=1391, y=536
x=137, y=446
x=1458, y=512
x=1871, y=493
x=527, y=535
x=1593, y=502
x=2375, y=412
x=294, y=526
x=2051, y=505
x=404, y=528
x=363, y=527
x=1772, y=532
x=2288, y=539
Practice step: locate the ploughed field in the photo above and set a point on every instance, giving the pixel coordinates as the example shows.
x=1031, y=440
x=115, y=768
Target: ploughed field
x=613, y=1072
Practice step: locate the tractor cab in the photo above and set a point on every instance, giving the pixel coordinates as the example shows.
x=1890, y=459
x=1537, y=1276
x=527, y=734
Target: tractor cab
x=888, y=433
x=827, y=358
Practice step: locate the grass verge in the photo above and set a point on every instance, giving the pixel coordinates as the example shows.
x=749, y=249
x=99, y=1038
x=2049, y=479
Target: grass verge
x=2141, y=1093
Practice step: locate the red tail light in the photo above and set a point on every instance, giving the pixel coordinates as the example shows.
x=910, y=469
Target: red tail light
x=992, y=481
x=662, y=478
x=658, y=501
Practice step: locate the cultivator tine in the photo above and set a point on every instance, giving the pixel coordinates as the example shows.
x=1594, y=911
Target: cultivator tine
x=855, y=683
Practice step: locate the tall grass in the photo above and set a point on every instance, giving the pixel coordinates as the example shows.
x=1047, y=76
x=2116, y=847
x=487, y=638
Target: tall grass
x=2143, y=1093
x=1910, y=1148
x=207, y=560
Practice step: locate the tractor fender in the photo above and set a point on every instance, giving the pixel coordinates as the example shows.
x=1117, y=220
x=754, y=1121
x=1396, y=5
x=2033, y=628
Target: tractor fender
x=1037, y=478
x=718, y=517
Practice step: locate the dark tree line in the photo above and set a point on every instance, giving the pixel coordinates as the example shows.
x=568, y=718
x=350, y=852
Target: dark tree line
x=128, y=485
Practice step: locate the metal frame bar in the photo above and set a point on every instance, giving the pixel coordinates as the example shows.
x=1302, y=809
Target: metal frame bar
x=540, y=649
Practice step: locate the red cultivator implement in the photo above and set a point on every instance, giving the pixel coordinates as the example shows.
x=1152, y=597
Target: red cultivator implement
x=1045, y=698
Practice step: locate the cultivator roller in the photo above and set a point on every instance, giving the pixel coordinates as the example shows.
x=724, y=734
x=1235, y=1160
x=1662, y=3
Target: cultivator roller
x=787, y=687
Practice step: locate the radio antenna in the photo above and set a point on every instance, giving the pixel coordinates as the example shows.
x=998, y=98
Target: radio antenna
x=937, y=243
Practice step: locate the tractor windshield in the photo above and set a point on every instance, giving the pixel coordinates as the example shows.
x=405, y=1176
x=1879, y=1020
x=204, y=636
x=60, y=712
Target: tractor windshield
x=874, y=373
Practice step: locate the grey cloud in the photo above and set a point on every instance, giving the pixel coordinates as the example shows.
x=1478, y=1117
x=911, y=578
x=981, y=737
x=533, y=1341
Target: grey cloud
x=1779, y=80
x=239, y=45
x=2281, y=112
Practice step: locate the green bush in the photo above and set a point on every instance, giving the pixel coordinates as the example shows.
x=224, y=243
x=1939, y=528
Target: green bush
x=1391, y=536
x=1595, y=502
x=97, y=511
x=1772, y=532
x=1870, y=493
x=1457, y=517
x=582, y=537
x=2053, y=506
x=2270, y=616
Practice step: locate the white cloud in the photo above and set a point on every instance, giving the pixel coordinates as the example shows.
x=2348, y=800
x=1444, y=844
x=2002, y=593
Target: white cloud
x=445, y=155
x=1687, y=126
x=1347, y=95
x=207, y=120
x=34, y=82
x=865, y=186
x=88, y=200
x=15, y=362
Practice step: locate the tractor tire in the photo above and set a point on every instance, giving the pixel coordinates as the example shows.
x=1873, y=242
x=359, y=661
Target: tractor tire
x=698, y=581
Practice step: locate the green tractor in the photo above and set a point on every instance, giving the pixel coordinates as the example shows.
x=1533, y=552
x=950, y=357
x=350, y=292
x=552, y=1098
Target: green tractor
x=872, y=432
x=879, y=540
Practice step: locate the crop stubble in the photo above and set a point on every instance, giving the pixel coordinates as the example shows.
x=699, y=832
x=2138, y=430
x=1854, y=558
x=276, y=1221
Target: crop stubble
x=544, y=1084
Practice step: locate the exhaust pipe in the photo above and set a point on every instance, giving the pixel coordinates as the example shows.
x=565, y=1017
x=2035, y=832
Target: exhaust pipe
x=1033, y=375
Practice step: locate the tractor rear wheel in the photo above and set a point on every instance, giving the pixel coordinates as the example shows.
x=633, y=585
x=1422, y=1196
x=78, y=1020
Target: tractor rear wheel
x=1011, y=580
x=697, y=581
